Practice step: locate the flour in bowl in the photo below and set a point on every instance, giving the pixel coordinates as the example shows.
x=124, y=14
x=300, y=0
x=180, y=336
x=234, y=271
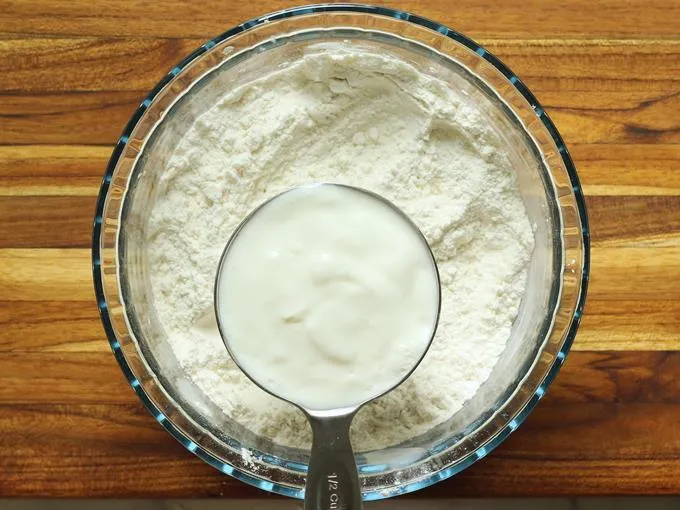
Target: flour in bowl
x=370, y=121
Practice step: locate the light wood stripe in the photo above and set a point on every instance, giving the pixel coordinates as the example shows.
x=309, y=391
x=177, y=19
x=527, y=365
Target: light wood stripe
x=47, y=295
x=519, y=18
x=604, y=169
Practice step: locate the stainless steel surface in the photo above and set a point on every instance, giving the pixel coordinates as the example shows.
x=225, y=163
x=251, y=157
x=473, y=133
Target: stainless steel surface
x=332, y=477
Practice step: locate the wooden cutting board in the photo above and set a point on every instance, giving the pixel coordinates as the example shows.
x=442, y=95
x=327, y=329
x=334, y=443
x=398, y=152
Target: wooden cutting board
x=71, y=73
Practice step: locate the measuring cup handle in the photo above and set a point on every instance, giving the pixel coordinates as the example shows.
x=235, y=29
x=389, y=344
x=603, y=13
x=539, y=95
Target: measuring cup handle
x=332, y=478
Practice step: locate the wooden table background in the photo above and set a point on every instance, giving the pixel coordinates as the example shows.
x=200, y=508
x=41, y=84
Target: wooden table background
x=72, y=72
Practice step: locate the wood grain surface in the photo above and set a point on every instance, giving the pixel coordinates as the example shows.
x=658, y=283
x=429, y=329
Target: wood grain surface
x=72, y=72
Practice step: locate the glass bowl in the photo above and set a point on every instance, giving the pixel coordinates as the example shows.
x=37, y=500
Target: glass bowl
x=549, y=313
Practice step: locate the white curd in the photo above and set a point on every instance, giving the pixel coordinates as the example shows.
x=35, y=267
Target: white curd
x=328, y=296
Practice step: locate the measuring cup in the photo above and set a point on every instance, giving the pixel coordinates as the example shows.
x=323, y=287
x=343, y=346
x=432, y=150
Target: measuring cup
x=332, y=478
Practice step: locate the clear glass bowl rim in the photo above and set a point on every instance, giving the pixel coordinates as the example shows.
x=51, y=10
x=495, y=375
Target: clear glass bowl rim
x=482, y=450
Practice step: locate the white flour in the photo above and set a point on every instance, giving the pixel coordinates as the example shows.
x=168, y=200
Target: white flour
x=365, y=120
